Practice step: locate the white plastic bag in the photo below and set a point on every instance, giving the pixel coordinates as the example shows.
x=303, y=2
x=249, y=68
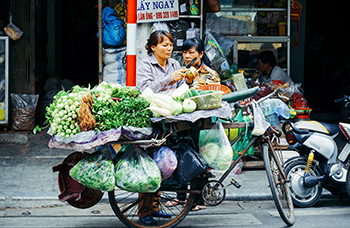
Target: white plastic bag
x=215, y=147
x=260, y=123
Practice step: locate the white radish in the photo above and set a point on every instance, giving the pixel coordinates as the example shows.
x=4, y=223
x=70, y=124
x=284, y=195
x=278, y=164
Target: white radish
x=165, y=98
x=162, y=104
x=160, y=111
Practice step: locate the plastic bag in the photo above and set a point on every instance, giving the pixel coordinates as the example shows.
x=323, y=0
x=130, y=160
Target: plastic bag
x=12, y=30
x=178, y=31
x=113, y=28
x=96, y=171
x=215, y=54
x=260, y=123
x=190, y=163
x=244, y=141
x=24, y=111
x=193, y=32
x=275, y=106
x=137, y=172
x=215, y=148
x=166, y=161
x=159, y=26
x=114, y=70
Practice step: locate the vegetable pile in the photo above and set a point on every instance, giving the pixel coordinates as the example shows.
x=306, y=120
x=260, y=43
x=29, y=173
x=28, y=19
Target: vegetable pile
x=102, y=108
x=108, y=106
x=183, y=100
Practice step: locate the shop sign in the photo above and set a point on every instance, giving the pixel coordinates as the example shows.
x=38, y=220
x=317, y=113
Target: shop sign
x=157, y=10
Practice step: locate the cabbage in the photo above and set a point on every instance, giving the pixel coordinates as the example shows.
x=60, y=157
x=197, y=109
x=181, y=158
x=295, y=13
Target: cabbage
x=209, y=152
x=176, y=108
x=217, y=157
x=223, y=161
x=189, y=105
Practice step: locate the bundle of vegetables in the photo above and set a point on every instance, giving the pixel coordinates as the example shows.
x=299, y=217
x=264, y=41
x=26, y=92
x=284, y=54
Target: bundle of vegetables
x=95, y=172
x=104, y=107
x=62, y=114
x=137, y=172
x=164, y=105
x=123, y=108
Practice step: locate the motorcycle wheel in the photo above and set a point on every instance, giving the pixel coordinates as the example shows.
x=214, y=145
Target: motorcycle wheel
x=302, y=196
x=347, y=183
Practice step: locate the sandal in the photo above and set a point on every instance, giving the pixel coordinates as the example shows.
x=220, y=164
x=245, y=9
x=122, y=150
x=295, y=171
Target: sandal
x=174, y=202
x=198, y=207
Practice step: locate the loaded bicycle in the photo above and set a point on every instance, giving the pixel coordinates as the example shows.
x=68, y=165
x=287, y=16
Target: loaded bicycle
x=125, y=203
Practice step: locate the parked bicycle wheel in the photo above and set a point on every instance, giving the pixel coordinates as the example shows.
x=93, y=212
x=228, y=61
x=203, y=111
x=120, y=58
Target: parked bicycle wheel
x=278, y=185
x=125, y=206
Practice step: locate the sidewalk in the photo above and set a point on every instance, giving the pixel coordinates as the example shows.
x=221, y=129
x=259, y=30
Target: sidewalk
x=26, y=174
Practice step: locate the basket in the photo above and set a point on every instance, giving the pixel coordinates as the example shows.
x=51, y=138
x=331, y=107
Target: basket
x=216, y=87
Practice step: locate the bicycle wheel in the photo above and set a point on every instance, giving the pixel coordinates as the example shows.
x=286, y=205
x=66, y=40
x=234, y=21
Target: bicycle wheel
x=278, y=185
x=125, y=206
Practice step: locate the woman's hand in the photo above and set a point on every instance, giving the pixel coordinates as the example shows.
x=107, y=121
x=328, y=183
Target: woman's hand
x=190, y=74
x=177, y=75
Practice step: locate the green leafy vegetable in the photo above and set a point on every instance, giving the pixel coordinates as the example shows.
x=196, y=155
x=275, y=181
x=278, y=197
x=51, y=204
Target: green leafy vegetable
x=95, y=172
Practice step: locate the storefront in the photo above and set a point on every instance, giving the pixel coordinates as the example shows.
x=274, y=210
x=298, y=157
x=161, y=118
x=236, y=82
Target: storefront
x=59, y=40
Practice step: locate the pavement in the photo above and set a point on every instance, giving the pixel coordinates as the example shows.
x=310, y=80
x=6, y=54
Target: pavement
x=26, y=172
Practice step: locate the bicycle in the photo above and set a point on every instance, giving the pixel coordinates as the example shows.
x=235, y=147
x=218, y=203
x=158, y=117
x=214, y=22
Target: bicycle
x=125, y=204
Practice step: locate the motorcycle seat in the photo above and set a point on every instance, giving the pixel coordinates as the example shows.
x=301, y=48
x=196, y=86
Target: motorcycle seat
x=318, y=126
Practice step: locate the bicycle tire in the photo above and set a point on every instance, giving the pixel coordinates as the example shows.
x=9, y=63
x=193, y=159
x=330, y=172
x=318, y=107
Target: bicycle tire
x=280, y=190
x=125, y=207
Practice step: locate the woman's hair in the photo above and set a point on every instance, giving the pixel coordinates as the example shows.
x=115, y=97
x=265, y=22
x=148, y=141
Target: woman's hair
x=157, y=37
x=198, y=44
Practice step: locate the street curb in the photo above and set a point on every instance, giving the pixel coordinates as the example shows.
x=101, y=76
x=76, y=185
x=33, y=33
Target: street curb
x=229, y=197
x=15, y=138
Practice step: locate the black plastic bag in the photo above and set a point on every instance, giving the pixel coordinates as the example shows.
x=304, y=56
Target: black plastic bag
x=190, y=163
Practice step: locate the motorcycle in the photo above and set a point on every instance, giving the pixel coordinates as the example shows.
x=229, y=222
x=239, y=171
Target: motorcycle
x=318, y=165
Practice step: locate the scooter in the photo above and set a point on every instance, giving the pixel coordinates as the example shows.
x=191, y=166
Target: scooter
x=319, y=165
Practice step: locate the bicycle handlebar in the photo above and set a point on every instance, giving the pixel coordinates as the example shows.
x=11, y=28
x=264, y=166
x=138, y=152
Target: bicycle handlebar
x=344, y=99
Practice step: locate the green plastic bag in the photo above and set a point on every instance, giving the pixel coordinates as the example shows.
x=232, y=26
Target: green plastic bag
x=244, y=141
x=95, y=171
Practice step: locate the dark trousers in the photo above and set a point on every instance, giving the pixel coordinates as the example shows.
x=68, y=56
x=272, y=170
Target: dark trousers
x=149, y=204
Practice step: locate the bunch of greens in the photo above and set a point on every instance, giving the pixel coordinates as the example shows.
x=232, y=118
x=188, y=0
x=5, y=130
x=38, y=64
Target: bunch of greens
x=95, y=172
x=62, y=112
x=128, y=110
x=137, y=172
x=125, y=91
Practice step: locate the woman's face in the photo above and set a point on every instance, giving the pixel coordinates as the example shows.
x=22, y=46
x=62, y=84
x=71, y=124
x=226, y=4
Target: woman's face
x=190, y=54
x=163, y=49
